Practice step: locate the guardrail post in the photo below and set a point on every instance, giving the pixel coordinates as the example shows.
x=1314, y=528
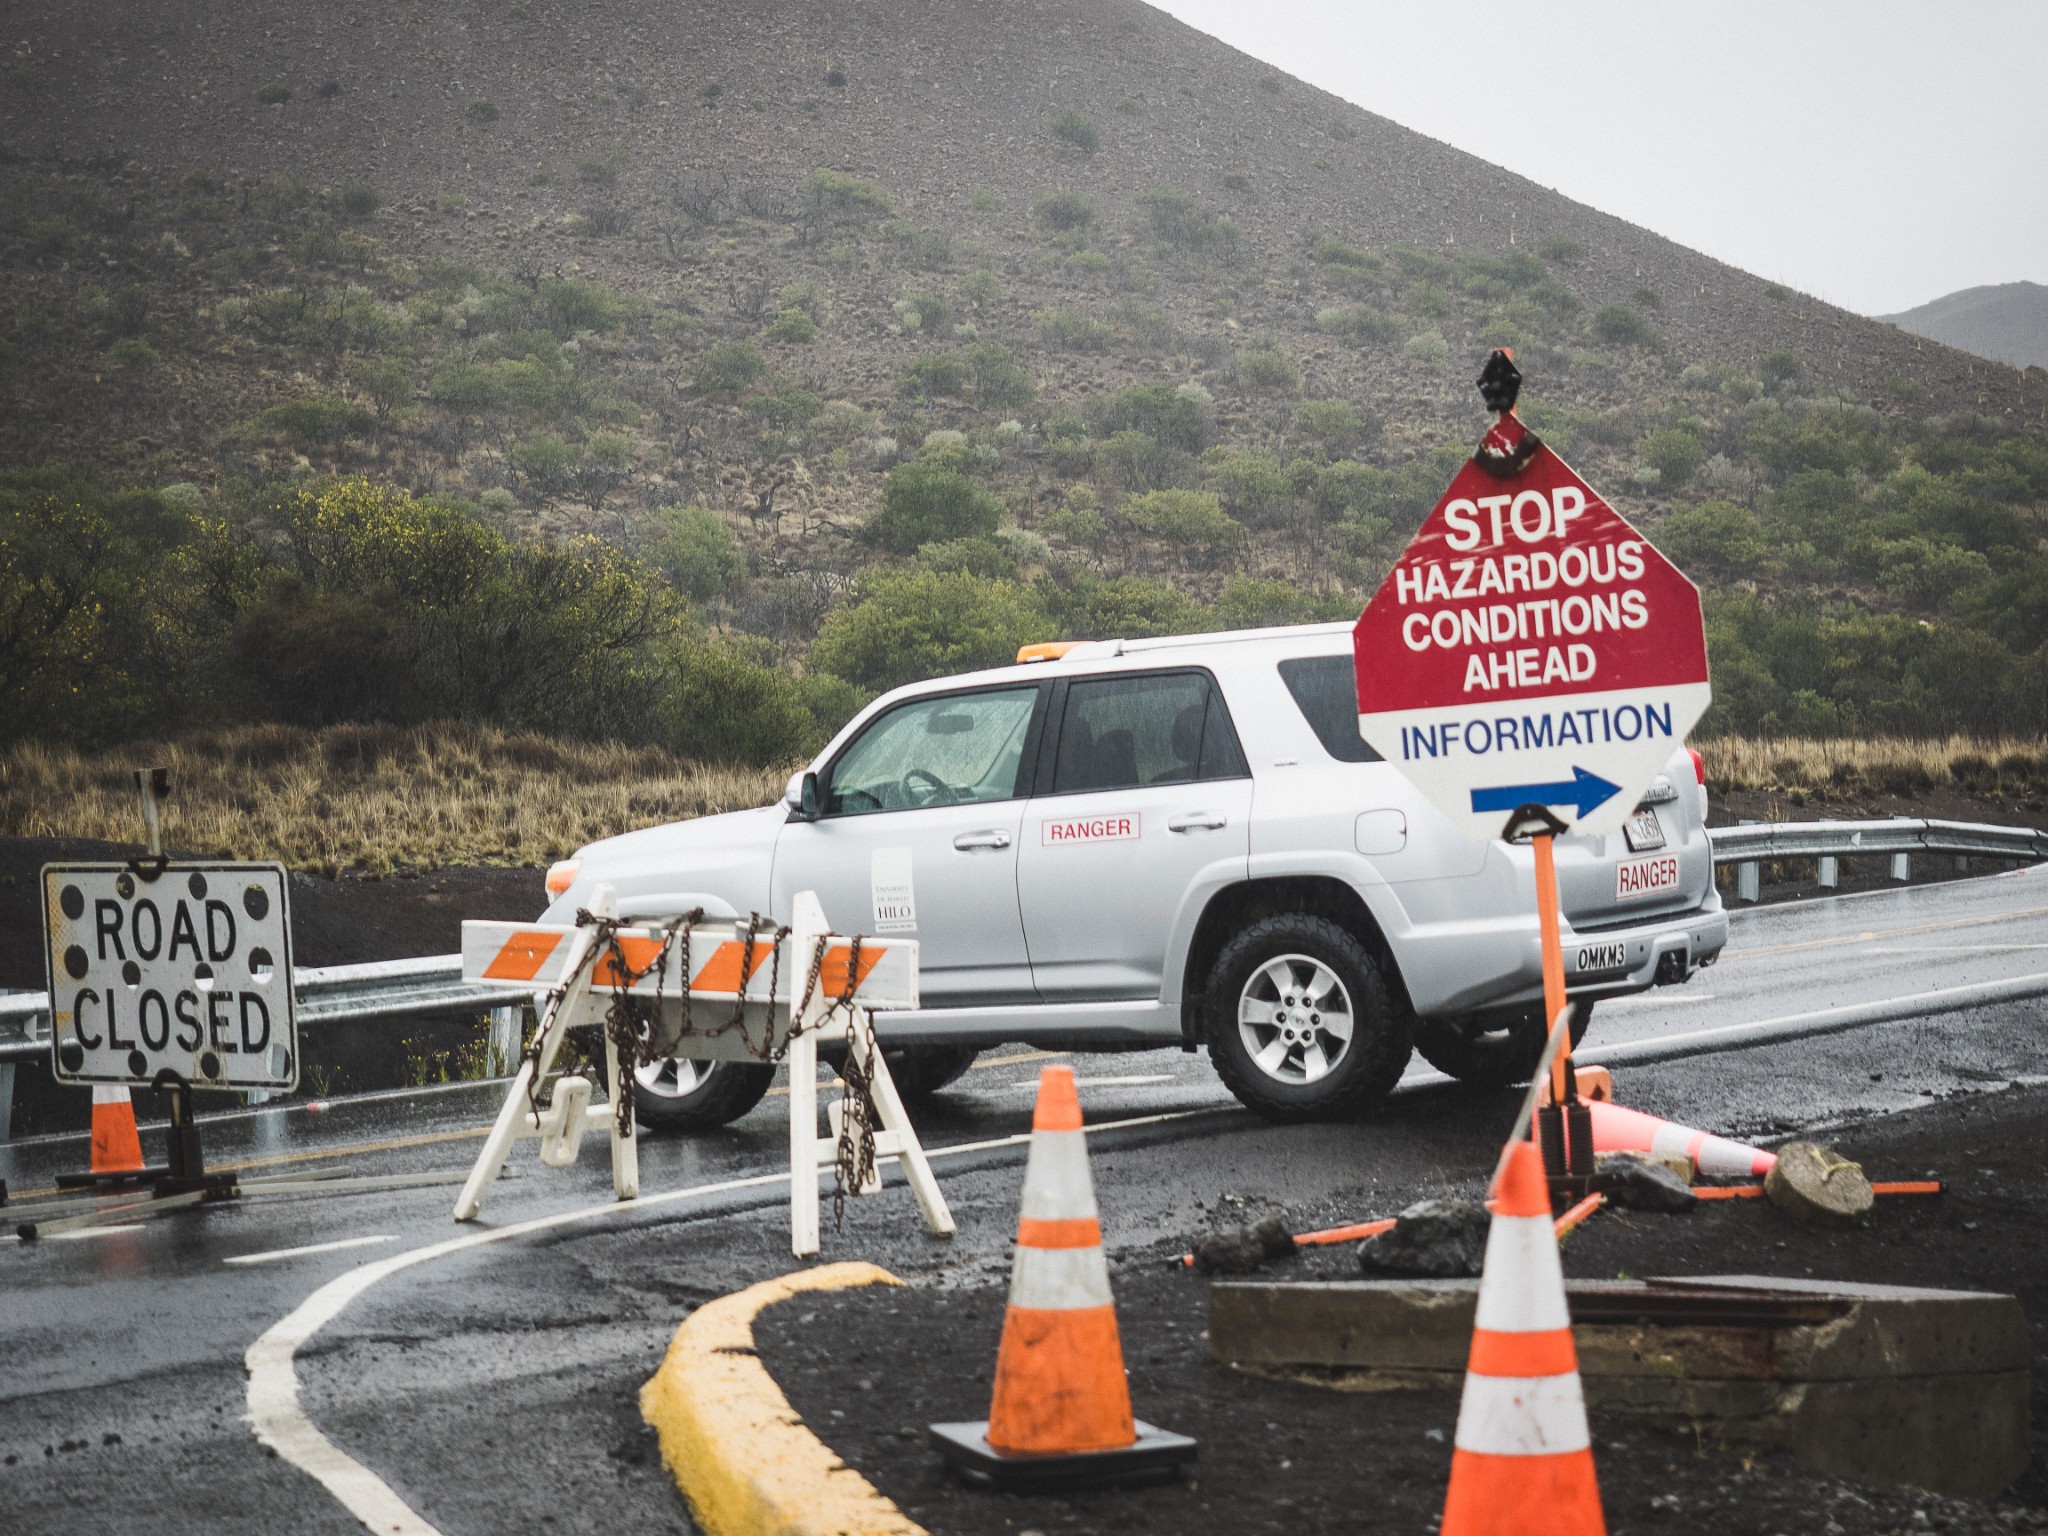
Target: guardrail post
x=1962, y=863
x=1902, y=867
x=1748, y=883
x=6, y=1099
x=504, y=1040
x=1830, y=871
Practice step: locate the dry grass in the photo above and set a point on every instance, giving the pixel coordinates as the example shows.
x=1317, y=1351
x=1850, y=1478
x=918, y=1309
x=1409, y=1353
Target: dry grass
x=371, y=798
x=1881, y=765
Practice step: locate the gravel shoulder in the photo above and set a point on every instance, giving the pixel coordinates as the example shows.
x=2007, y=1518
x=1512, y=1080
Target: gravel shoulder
x=1285, y=1457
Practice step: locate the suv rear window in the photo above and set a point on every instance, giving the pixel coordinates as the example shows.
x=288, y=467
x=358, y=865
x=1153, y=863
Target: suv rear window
x=1325, y=689
x=1144, y=728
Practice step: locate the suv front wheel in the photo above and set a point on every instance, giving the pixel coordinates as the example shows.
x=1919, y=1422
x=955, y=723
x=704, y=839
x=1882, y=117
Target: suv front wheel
x=1301, y=1024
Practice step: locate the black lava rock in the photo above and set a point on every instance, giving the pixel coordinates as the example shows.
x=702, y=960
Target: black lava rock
x=1441, y=1238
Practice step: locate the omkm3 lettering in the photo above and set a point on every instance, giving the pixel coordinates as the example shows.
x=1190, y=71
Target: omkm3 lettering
x=1530, y=733
x=234, y=1023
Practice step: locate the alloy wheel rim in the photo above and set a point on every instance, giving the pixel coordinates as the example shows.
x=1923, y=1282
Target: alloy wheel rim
x=1295, y=1019
x=673, y=1077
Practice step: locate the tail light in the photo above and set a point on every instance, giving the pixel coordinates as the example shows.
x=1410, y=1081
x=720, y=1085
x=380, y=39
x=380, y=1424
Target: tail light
x=562, y=875
x=1699, y=765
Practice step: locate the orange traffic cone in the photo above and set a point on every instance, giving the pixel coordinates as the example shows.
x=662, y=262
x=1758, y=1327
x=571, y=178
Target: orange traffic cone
x=115, y=1146
x=1061, y=1414
x=1524, y=1458
x=1630, y=1130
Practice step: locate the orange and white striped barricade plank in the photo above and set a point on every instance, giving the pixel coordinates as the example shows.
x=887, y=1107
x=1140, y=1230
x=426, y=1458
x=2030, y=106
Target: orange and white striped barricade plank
x=779, y=1016
x=1060, y=1415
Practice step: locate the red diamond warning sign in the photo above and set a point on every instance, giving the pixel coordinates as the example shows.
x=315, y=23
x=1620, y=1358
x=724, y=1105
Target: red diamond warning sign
x=1530, y=646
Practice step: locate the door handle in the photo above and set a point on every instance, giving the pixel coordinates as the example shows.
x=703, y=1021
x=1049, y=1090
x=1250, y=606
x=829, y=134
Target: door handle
x=1197, y=821
x=967, y=842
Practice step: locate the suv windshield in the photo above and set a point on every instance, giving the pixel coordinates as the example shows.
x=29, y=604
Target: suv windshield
x=944, y=751
x=1325, y=689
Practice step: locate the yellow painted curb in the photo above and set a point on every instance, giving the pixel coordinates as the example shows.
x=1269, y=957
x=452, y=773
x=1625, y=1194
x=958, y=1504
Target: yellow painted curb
x=739, y=1452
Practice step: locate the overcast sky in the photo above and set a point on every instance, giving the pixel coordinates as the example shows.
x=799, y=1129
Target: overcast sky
x=1878, y=155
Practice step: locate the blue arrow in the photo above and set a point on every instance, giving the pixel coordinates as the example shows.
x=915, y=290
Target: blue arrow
x=1584, y=790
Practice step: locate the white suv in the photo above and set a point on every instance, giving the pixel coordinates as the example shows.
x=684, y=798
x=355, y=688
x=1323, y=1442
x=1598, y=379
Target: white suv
x=1179, y=841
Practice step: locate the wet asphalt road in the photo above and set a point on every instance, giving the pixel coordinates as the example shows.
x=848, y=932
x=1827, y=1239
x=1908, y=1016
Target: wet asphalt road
x=494, y=1388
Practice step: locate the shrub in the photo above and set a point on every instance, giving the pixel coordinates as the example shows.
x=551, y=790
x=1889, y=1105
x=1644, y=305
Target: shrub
x=1622, y=326
x=309, y=421
x=545, y=462
x=133, y=355
x=1160, y=410
x=789, y=407
x=1246, y=602
x=1073, y=128
x=721, y=702
x=827, y=198
x=1129, y=607
x=1180, y=220
x=1673, y=452
x=726, y=368
x=1269, y=368
x=924, y=502
x=1428, y=348
x=482, y=110
x=1072, y=331
x=1715, y=536
x=357, y=200
x=1185, y=520
x=942, y=373
x=274, y=95
x=982, y=288
x=978, y=556
x=1360, y=322
x=1779, y=368
x=1561, y=248
x=1335, y=253
x=981, y=200
x=596, y=173
x=1064, y=211
x=807, y=296
x=998, y=381
x=907, y=625
x=793, y=325
x=694, y=549
x=920, y=310
x=1333, y=425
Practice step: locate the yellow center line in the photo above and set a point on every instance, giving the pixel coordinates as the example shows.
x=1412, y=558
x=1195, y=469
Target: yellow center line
x=355, y=1149
x=1870, y=934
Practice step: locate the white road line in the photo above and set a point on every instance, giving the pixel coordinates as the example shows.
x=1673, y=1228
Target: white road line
x=273, y=1395
x=297, y=1253
x=1947, y=949
x=1031, y=1083
x=82, y=1233
x=1657, y=998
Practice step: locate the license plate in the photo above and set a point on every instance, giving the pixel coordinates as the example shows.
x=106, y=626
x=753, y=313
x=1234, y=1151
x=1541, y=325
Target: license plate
x=1602, y=957
x=1644, y=832
x=1645, y=877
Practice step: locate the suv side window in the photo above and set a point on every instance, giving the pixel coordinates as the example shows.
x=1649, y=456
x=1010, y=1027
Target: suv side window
x=1325, y=690
x=1144, y=728
x=950, y=750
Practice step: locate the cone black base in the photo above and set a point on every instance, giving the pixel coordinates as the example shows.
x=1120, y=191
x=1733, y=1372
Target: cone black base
x=1156, y=1456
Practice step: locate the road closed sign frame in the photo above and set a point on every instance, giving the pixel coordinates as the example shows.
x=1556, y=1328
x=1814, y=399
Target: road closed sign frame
x=1530, y=646
x=187, y=974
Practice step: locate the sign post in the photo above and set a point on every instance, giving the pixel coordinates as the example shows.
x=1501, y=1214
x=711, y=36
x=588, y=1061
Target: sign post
x=1530, y=663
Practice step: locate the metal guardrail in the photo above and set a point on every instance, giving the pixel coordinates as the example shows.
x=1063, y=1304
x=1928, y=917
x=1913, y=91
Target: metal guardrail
x=331, y=994
x=337, y=994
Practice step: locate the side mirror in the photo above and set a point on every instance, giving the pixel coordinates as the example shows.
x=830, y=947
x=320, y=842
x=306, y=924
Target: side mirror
x=801, y=796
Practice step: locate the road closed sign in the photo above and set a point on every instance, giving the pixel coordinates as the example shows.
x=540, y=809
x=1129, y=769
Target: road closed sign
x=188, y=973
x=1530, y=646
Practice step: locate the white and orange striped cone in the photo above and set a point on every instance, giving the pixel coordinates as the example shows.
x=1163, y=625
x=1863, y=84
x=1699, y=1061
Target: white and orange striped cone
x=116, y=1148
x=1523, y=1457
x=1630, y=1130
x=1061, y=1411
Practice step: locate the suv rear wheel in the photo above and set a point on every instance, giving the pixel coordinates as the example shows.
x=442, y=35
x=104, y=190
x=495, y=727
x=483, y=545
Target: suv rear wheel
x=1302, y=1026
x=677, y=1094
x=1492, y=1050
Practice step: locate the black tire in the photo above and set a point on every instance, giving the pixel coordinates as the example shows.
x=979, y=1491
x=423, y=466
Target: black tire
x=922, y=1070
x=1492, y=1050
x=666, y=1100
x=1288, y=1087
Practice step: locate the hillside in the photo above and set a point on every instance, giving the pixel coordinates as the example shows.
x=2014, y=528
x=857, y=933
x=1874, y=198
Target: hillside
x=876, y=338
x=2006, y=322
